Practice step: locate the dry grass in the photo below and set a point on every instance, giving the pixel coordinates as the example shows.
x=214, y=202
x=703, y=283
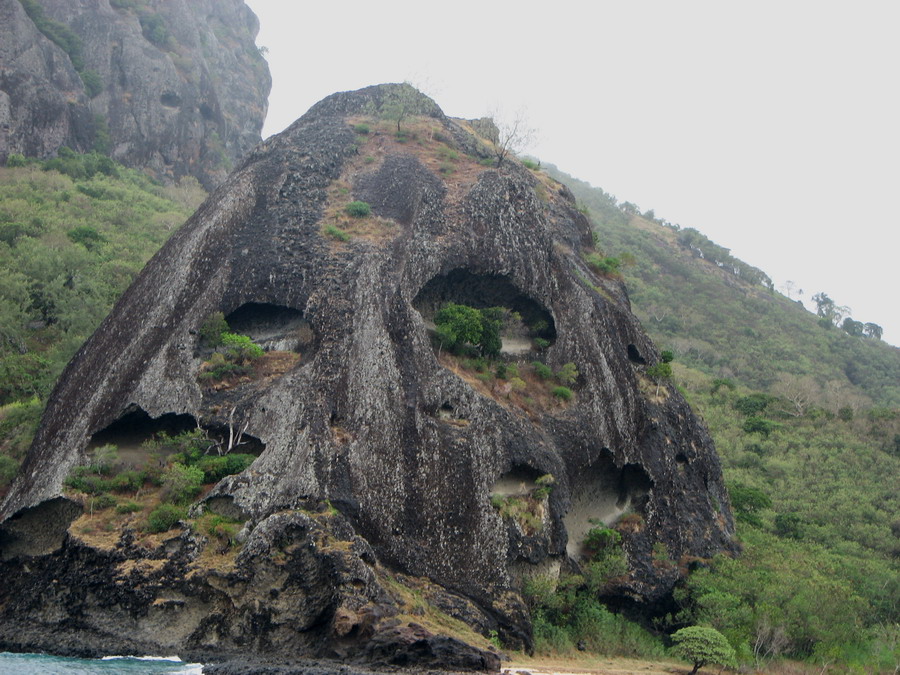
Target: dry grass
x=533, y=400
x=584, y=664
x=266, y=368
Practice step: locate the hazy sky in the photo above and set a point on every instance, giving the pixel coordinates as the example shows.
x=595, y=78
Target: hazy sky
x=771, y=127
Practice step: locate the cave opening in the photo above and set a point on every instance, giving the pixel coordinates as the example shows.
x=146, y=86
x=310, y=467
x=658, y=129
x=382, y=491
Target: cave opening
x=635, y=356
x=273, y=327
x=526, y=326
x=133, y=436
x=603, y=494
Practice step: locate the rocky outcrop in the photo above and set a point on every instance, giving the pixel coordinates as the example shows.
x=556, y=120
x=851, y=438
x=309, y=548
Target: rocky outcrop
x=174, y=86
x=375, y=422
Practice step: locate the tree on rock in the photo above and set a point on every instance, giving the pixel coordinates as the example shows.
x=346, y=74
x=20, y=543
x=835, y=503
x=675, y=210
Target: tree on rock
x=701, y=645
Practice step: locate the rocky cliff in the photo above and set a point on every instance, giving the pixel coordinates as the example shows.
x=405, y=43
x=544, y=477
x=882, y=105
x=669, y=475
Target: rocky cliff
x=391, y=478
x=174, y=86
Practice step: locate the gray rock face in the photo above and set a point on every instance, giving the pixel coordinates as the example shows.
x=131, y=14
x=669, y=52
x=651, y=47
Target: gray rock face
x=374, y=419
x=174, y=86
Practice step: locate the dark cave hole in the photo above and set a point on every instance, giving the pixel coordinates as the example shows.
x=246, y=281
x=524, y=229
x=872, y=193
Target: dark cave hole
x=529, y=320
x=521, y=480
x=274, y=327
x=38, y=530
x=206, y=111
x=603, y=493
x=446, y=412
x=681, y=458
x=130, y=432
x=635, y=356
x=170, y=99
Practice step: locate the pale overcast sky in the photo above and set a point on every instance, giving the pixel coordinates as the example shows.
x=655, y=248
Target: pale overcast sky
x=771, y=127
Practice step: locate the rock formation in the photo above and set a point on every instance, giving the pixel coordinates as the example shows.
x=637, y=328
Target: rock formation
x=175, y=86
x=383, y=461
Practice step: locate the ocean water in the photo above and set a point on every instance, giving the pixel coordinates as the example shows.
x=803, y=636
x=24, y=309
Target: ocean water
x=42, y=664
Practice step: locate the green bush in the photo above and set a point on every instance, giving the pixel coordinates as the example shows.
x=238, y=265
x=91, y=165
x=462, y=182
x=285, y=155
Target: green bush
x=529, y=164
x=15, y=160
x=215, y=468
x=127, y=481
x=212, y=328
x=129, y=507
x=240, y=348
x=181, y=483
x=541, y=343
x=164, y=517
x=358, y=209
x=8, y=469
x=335, y=232
x=759, y=425
x=607, y=266
x=600, y=538
x=541, y=370
x=104, y=501
x=567, y=374
x=93, y=82
x=701, y=645
x=361, y=128
x=562, y=393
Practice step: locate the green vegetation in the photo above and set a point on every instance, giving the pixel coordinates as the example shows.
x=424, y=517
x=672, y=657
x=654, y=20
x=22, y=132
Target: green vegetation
x=807, y=426
x=164, y=517
x=335, y=232
x=174, y=471
x=566, y=614
x=701, y=645
x=563, y=393
x=459, y=326
x=357, y=210
x=74, y=232
x=743, y=330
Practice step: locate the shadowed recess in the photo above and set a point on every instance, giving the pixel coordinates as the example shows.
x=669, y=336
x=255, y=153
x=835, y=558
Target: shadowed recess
x=273, y=327
x=528, y=318
x=603, y=493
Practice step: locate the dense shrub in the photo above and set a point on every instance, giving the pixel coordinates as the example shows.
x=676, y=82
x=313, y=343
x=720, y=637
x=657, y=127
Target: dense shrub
x=215, y=468
x=358, y=209
x=181, y=483
x=240, y=348
x=212, y=328
x=562, y=393
x=541, y=370
x=164, y=517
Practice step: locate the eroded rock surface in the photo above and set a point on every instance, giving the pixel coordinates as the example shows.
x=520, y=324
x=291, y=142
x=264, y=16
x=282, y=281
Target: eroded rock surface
x=174, y=86
x=373, y=420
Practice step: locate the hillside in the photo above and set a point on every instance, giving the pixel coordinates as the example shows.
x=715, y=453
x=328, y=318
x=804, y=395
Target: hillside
x=74, y=232
x=806, y=422
x=726, y=319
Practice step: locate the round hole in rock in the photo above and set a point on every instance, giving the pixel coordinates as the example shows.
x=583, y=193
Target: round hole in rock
x=525, y=322
x=130, y=431
x=520, y=481
x=635, y=356
x=273, y=327
x=170, y=99
x=603, y=494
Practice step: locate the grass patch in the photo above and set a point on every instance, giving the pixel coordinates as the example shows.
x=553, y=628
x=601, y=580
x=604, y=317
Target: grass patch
x=337, y=233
